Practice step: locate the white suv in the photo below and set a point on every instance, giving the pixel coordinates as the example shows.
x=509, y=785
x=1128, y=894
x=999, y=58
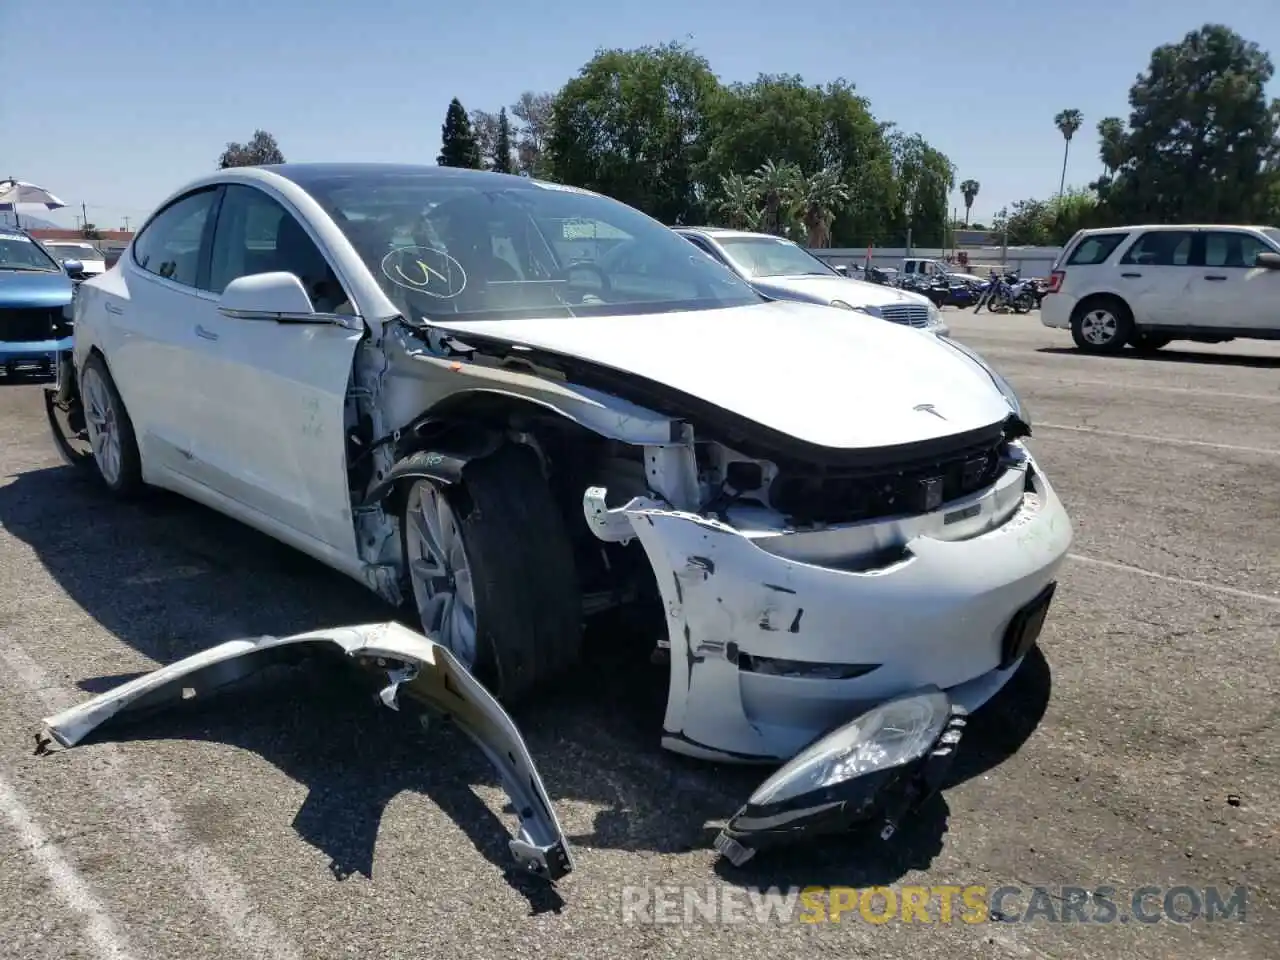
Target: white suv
x=1147, y=285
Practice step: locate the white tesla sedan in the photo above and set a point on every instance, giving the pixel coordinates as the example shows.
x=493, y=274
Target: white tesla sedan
x=428, y=379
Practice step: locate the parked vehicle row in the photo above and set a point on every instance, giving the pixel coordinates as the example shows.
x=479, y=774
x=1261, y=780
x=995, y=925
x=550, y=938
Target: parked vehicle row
x=512, y=404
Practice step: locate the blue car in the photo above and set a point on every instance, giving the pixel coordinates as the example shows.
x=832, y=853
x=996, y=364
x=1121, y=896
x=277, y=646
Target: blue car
x=35, y=305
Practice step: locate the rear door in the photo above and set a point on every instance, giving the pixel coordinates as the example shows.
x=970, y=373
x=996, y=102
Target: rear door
x=276, y=392
x=1156, y=276
x=150, y=340
x=1228, y=290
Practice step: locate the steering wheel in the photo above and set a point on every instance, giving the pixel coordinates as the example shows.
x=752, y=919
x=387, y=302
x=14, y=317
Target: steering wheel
x=606, y=285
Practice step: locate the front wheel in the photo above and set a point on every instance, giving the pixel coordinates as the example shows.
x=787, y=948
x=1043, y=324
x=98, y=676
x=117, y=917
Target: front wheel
x=492, y=571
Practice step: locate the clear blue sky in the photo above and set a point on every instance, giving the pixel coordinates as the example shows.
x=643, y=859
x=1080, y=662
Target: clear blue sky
x=116, y=103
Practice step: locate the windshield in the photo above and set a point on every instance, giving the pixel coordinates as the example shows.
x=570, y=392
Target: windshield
x=74, y=251
x=1273, y=234
x=18, y=252
x=772, y=257
x=472, y=248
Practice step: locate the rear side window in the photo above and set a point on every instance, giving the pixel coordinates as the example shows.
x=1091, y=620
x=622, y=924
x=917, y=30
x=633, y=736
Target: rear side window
x=1230, y=248
x=1160, y=248
x=1094, y=250
x=170, y=244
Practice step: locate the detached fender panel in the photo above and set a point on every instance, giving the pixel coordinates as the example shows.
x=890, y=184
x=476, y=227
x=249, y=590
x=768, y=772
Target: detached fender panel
x=427, y=671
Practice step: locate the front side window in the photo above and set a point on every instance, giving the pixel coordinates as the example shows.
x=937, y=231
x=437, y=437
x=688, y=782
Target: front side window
x=1094, y=250
x=1160, y=248
x=760, y=257
x=463, y=248
x=19, y=252
x=255, y=234
x=169, y=245
x=1230, y=248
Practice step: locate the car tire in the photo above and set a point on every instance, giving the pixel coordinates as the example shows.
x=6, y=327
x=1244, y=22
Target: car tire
x=116, y=459
x=1101, y=325
x=1150, y=342
x=511, y=540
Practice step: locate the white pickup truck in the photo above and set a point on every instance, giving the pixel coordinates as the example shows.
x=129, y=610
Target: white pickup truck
x=926, y=267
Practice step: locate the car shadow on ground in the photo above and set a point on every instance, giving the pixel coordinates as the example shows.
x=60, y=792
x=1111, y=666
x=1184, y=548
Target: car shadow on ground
x=1175, y=355
x=170, y=578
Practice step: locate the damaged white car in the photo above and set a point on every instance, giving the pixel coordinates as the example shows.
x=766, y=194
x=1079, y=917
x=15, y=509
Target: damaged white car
x=442, y=384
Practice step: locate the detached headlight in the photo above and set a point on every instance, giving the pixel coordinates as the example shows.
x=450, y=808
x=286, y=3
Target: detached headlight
x=1001, y=383
x=884, y=763
x=891, y=735
x=869, y=311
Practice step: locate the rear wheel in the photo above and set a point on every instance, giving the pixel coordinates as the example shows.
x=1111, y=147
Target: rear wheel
x=115, y=448
x=1101, y=325
x=492, y=571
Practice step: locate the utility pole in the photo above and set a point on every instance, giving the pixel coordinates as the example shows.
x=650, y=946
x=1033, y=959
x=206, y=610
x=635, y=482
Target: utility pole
x=126, y=224
x=84, y=213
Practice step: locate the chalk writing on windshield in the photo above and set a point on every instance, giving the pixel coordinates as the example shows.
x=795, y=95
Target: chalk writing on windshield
x=425, y=270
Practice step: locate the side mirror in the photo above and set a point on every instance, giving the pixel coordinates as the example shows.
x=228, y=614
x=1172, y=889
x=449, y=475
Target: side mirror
x=1271, y=261
x=278, y=297
x=842, y=270
x=73, y=268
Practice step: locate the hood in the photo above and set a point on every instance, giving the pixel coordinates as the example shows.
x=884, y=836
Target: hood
x=27, y=288
x=823, y=289
x=825, y=377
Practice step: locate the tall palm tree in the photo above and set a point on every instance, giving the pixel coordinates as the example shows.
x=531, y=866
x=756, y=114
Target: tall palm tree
x=818, y=197
x=1111, y=143
x=1067, y=122
x=969, y=189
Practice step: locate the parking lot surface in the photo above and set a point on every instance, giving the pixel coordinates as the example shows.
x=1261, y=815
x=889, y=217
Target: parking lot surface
x=291, y=818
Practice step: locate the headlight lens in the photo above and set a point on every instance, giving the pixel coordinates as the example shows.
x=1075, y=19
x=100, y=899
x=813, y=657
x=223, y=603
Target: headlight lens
x=893, y=734
x=1001, y=383
x=935, y=315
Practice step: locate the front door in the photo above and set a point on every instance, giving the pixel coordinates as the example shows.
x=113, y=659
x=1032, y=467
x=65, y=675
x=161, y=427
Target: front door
x=277, y=391
x=155, y=317
x=1229, y=290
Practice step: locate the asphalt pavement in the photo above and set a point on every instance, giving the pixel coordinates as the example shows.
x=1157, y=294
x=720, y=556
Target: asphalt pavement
x=292, y=818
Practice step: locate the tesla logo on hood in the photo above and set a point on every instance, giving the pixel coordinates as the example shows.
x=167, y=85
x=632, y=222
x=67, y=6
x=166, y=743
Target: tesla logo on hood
x=928, y=408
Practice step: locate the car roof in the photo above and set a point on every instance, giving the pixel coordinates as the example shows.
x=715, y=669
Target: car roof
x=1162, y=227
x=305, y=174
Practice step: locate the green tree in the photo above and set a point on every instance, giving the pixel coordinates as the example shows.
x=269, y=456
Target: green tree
x=817, y=199
x=502, y=145
x=969, y=189
x=458, y=147
x=1067, y=122
x=261, y=149
x=1202, y=140
x=922, y=180
x=631, y=125
x=739, y=202
x=484, y=128
x=777, y=185
x=782, y=119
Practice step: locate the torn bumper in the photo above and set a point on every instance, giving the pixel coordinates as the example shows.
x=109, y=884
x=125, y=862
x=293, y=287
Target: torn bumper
x=777, y=637
x=427, y=671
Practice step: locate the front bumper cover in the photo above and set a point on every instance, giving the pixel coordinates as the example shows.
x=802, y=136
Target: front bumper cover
x=427, y=672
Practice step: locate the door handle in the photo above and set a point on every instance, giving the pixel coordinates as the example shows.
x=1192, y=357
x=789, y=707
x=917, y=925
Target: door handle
x=204, y=334
x=113, y=308
x=1214, y=276
x=1130, y=274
